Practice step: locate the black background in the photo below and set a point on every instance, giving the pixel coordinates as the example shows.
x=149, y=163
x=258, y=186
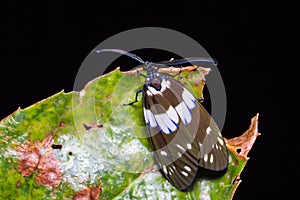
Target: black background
x=43, y=46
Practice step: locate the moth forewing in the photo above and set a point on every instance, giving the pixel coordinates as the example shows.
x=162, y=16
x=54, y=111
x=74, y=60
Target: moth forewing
x=213, y=153
x=176, y=161
x=176, y=152
x=182, y=134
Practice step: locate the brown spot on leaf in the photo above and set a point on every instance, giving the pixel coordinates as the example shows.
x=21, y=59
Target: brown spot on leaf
x=237, y=162
x=83, y=194
x=28, y=159
x=49, y=173
x=96, y=192
x=38, y=156
x=62, y=124
x=48, y=177
x=92, y=193
x=18, y=183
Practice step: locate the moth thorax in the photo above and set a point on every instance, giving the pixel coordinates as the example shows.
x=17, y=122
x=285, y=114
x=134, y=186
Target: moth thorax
x=156, y=83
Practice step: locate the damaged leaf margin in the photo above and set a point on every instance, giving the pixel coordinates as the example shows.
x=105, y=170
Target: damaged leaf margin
x=243, y=144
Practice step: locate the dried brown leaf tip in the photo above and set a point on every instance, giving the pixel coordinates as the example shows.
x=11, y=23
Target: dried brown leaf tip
x=92, y=193
x=243, y=144
x=38, y=156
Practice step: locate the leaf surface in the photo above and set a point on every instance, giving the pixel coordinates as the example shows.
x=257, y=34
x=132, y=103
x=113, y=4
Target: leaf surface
x=86, y=145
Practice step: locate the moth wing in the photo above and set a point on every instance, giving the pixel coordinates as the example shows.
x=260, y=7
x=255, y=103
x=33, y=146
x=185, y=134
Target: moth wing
x=176, y=152
x=185, y=139
x=213, y=151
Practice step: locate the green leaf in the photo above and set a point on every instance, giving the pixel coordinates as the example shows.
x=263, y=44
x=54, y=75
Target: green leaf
x=104, y=148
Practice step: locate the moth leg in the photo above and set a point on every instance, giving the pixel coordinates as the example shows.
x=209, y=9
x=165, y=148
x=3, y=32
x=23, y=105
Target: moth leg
x=140, y=74
x=136, y=98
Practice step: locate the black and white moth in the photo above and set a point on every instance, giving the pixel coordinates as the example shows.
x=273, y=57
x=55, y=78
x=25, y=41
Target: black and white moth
x=182, y=134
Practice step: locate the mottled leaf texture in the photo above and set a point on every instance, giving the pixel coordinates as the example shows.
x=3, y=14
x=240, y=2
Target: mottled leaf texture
x=87, y=145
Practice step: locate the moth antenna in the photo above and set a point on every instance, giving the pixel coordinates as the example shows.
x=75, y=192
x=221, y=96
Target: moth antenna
x=188, y=60
x=130, y=55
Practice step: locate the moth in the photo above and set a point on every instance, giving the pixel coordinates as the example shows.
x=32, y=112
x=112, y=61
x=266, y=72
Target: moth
x=182, y=134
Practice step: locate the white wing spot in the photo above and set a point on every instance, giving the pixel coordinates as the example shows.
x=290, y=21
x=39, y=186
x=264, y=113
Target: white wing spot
x=154, y=91
x=208, y=130
x=189, y=146
x=179, y=154
x=180, y=147
x=172, y=114
x=164, y=84
x=184, y=113
x=217, y=146
x=187, y=168
x=165, y=169
x=188, y=99
x=149, y=118
x=221, y=141
x=205, y=157
x=163, y=153
x=149, y=93
x=165, y=123
x=184, y=173
x=211, y=159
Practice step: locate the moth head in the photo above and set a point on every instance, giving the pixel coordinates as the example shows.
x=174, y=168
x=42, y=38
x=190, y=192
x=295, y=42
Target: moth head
x=156, y=83
x=154, y=80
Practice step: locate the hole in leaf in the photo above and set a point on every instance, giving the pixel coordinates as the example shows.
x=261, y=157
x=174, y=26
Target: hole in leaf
x=56, y=146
